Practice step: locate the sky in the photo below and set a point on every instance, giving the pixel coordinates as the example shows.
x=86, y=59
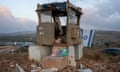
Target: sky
x=20, y=15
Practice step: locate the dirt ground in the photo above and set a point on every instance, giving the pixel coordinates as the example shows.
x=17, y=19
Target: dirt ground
x=92, y=59
x=100, y=62
x=8, y=62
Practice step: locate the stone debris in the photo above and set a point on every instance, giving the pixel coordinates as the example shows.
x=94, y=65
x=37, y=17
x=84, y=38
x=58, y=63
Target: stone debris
x=85, y=70
x=8, y=64
x=35, y=68
x=19, y=68
x=47, y=70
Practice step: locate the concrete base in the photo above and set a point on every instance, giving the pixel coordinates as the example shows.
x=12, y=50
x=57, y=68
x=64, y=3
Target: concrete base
x=76, y=51
x=71, y=51
x=37, y=52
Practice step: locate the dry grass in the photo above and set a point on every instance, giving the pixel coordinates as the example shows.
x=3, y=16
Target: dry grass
x=99, y=62
x=96, y=54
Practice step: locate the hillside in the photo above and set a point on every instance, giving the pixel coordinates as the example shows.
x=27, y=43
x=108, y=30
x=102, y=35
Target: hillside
x=18, y=36
x=102, y=37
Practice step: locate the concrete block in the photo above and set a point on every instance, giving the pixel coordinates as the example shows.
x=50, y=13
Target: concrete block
x=37, y=52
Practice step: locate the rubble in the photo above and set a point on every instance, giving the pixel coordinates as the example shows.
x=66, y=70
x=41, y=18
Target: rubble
x=19, y=68
x=109, y=64
x=85, y=70
x=47, y=70
x=35, y=68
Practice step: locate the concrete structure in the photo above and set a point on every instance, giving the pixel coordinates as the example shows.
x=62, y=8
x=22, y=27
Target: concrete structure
x=51, y=32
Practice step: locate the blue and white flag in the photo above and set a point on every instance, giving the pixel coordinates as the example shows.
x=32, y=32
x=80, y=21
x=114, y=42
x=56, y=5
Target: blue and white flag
x=87, y=37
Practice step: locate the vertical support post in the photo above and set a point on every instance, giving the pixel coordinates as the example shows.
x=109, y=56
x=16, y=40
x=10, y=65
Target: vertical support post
x=39, y=22
x=78, y=51
x=71, y=51
x=67, y=8
x=38, y=13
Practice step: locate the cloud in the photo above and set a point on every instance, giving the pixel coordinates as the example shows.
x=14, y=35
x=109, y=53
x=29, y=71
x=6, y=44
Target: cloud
x=9, y=23
x=5, y=12
x=104, y=16
x=97, y=14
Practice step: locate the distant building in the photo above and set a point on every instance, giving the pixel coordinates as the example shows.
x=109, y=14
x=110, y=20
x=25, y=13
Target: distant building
x=22, y=44
x=2, y=43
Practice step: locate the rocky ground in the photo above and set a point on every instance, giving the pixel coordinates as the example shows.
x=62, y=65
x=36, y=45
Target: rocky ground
x=92, y=59
x=100, y=62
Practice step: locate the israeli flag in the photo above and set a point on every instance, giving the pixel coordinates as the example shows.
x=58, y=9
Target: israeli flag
x=87, y=37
